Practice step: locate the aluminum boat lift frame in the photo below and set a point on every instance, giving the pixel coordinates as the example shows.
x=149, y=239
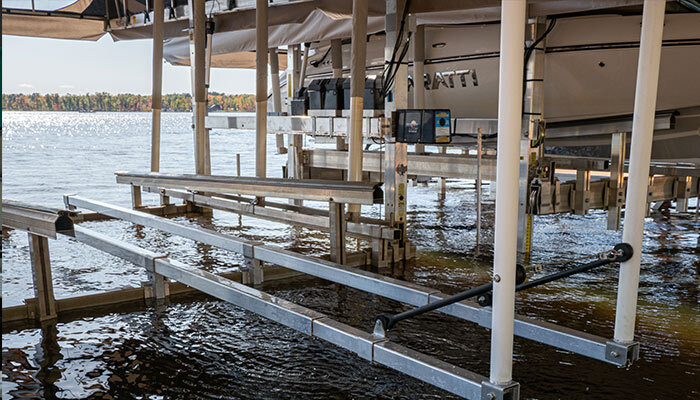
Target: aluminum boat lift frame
x=621, y=350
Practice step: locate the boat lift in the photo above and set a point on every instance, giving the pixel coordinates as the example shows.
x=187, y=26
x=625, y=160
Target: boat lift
x=497, y=309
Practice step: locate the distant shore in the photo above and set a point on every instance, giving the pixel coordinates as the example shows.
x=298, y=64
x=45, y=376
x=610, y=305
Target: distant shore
x=124, y=102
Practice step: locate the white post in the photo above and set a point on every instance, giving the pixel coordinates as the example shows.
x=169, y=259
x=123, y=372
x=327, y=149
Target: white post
x=261, y=50
x=358, y=56
x=157, y=94
x=640, y=155
x=510, y=93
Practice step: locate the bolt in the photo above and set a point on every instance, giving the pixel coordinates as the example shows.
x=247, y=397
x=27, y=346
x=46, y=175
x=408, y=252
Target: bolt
x=497, y=278
x=614, y=354
x=491, y=395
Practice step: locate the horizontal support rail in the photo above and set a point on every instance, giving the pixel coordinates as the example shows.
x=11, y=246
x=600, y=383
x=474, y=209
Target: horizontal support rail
x=38, y=220
x=309, y=217
x=428, y=369
x=442, y=165
x=307, y=189
x=544, y=332
x=237, y=245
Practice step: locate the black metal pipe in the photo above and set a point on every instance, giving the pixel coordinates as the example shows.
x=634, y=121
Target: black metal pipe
x=623, y=253
x=389, y=320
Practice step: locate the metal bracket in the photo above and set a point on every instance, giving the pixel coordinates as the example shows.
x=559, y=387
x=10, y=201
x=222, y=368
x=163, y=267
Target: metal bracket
x=492, y=391
x=621, y=354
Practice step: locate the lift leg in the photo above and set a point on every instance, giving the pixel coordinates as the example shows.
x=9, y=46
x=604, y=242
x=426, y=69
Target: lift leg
x=640, y=155
x=507, y=171
x=41, y=274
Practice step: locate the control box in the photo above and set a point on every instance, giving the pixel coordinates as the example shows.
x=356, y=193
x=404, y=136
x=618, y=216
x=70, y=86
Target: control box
x=422, y=126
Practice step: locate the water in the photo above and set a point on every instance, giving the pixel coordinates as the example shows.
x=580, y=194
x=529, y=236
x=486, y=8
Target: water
x=204, y=348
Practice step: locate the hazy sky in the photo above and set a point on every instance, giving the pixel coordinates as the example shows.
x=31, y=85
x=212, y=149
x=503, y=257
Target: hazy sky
x=32, y=65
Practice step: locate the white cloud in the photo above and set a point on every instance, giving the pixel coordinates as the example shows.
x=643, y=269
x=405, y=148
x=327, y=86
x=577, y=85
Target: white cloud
x=25, y=85
x=66, y=86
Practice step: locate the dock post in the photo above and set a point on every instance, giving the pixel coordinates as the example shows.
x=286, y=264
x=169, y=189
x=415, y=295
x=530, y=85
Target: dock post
x=683, y=185
x=583, y=187
x=640, y=156
x=616, y=192
x=358, y=57
x=337, y=64
x=533, y=121
x=510, y=120
x=276, y=95
x=198, y=42
x=442, y=182
x=136, y=197
x=418, y=73
x=337, y=226
x=261, y=50
x=156, y=98
x=41, y=273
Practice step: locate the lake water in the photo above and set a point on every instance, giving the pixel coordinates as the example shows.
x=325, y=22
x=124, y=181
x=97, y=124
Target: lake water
x=205, y=348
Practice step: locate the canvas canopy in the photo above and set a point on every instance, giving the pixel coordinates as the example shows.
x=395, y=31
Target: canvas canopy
x=291, y=22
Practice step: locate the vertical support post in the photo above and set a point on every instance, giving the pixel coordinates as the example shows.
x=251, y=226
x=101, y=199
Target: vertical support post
x=532, y=121
x=302, y=76
x=442, y=182
x=136, y=197
x=252, y=274
x=199, y=103
x=295, y=142
x=157, y=93
x=238, y=164
x=41, y=274
x=337, y=226
x=478, y=187
x=418, y=73
x=395, y=158
x=640, y=156
x=507, y=167
x=683, y=185
x=276, y=95
x=358, y=57
x=616, y=193
x=337, y=64
x=583, y=188
x=261, y=50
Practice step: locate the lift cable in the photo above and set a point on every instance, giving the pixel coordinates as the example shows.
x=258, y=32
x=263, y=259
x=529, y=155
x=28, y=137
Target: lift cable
x=621, y=252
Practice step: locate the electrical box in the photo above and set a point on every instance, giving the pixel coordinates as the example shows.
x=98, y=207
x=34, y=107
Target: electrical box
x=422, y=126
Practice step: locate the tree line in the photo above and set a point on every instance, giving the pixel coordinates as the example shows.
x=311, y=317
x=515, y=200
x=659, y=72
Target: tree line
x=121, y=102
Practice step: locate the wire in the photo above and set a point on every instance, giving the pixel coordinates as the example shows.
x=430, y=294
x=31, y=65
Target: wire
x=317, y=62
x=531, y=48
x=392, y=67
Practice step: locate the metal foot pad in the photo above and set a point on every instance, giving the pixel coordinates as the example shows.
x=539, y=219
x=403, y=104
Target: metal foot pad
x=492, y=391
x=621, y=354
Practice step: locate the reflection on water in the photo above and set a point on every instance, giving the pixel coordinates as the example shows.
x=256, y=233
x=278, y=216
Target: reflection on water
x=204, y=348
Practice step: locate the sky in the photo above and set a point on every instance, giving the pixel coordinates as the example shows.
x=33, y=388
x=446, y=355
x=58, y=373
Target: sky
x=37, y=65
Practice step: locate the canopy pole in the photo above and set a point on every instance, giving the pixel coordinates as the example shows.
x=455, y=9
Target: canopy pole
x=303, y=65
x=510, y=94
x=198, y=34
x=157, y=94
x=358, y=56
x=640, y=156
x=261, y=50
x=418, y=72
x=337, y=64
x=276, y=95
